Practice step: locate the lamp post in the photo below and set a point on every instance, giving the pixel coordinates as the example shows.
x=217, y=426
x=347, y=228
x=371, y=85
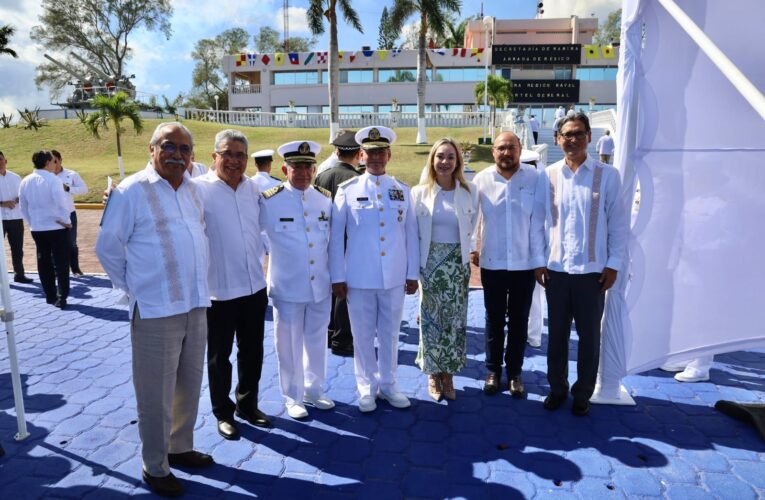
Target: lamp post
x=487, y=23
x=217, y=115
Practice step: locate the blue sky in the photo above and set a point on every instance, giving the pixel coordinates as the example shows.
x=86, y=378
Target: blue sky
x=163, y=67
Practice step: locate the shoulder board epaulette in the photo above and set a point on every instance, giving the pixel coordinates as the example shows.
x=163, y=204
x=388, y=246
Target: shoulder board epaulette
x=325, y=192
x=275, y=178
x=349, y=181
x=268, y=193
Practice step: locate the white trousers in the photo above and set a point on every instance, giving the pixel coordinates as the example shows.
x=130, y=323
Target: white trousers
x=536, y=313
x=168, y=361
x=300, y=334
x=375, y=314
x=702, y=364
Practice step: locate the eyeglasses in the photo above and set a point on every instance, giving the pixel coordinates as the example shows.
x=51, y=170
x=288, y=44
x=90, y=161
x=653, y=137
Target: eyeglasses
x=230, y=155
x=574, y=135
x=170, y=148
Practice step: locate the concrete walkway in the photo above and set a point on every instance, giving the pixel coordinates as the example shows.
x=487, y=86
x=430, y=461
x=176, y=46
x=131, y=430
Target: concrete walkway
x=78, y=391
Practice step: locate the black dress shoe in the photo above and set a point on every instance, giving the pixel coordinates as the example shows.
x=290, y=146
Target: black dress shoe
x=553, y=401
x=344, y=351
x=77, y=272
x=256, y=418
x=190, y=459
x=22, y=279
x=580, y=408
x=167, y=486
x=516, y=388
x=491, y=384
x=51, y=300
x=61, y=304
x=228, y=429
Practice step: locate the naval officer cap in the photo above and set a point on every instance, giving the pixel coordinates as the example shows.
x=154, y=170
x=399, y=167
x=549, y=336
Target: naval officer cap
x=263, y=155
x=375, y=137
x=346, y=141
x=299, y=151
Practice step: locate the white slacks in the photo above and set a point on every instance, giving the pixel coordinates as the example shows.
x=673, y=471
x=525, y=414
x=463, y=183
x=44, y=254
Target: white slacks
x=168, y=361
x=375, y=314
x=536, y=314
x=300, y=334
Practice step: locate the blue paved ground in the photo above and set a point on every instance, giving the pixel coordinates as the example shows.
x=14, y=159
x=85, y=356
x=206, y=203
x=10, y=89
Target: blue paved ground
x=75, y=369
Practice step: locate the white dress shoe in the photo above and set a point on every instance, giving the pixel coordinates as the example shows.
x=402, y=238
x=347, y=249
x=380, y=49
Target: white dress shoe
x=320, y=402
x=296, y=410
x=673, y=367
x=534, y=342
x=396, y=399
x=692, y=375
x=367, y=404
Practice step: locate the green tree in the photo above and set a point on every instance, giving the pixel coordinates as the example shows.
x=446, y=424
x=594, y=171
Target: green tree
x=6, y=32
x=611, y=30
x=387, y=36
x=171, y=107
x=96, y=30
x=455, y=33
x=317, y=11
x=268, y=40
x=208, y=78
x=111, y=111
x=500, y=92
x=433, y=15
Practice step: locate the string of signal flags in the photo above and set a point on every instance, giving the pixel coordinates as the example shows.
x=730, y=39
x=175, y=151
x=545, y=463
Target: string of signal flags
x=320, y=58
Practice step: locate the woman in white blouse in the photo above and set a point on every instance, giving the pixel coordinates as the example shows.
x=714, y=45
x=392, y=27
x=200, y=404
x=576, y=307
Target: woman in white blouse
x=446, y=206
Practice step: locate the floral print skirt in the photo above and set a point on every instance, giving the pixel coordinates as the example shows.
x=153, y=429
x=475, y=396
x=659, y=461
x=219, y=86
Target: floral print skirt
x=443, y=310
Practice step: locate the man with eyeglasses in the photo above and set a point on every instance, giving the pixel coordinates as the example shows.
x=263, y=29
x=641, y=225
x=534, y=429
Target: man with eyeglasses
x=296, y=217
x=581, y=227
x=153, y=246
x=237, y=283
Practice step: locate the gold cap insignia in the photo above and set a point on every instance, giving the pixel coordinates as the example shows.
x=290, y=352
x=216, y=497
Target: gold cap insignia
x=304, y=148
x=374, y=134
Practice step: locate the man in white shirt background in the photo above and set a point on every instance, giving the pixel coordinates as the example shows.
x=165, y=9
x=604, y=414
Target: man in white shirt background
x=13, y=223
x=605, y=147
x=581, y=226
x=237, y=284
x=534, y=126
x=153, y=246
x=44, y=206
x=74, y=186
x=506, y=200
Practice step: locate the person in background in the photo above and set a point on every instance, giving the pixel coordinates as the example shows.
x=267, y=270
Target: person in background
x=605, y=147
x=74, y=186
x=694, y=370
x=534, y=126
x=263, y=178
x=13, y=223
x=446, y=206
x=45, y=207
x=197, y=169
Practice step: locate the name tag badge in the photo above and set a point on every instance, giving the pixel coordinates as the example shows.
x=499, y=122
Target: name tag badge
x=363, y=198
x=396, y=194
x=286, y=219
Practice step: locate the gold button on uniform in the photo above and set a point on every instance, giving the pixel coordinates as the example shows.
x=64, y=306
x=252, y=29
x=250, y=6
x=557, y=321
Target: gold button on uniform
x=382, y=254
x=310, y=245
x=381, y=209
x=379, y=196
x=311, y=261
x=312, y=278
x=382, y=238
x=382, y=224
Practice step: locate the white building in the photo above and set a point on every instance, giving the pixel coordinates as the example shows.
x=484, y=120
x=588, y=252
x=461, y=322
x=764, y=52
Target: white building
x=370, y=80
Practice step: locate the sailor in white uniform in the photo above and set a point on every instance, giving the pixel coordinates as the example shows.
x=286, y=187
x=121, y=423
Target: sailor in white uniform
x=380, y=264
x=265, y=181
x=296, y=216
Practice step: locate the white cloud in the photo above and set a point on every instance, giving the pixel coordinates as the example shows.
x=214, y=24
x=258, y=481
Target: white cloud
x=298, y=20
x=581, y=8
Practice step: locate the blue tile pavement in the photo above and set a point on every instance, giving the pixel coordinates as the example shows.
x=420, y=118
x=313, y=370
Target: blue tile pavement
x=75, y=367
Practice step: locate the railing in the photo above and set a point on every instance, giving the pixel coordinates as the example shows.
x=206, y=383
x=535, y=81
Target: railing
x=292, y=119
x=604, y=119
x=251, y=88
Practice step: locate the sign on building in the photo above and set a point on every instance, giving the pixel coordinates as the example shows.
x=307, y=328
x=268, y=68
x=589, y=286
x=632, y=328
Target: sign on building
x=536, y=54
x=545, y=91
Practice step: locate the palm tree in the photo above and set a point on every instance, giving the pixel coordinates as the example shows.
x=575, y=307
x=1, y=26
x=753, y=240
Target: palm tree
x=317, y=11
x=500, y=93
x=112, y=110
x=455, y=33
x=433, y=15
x=6, y=32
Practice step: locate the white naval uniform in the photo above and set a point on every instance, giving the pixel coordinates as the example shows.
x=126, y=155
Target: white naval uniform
x=297, y=226
x=382, y=253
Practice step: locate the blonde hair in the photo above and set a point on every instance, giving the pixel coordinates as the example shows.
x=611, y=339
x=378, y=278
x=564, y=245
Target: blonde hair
x=457, y=175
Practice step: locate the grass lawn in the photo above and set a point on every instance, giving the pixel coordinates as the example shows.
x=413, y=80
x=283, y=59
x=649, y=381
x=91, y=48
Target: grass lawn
x=95, y=159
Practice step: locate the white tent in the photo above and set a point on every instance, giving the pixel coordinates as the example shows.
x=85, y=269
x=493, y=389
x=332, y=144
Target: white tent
x=691, y=130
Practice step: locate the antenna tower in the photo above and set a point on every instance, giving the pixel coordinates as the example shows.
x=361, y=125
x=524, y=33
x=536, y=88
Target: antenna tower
x=286, y=10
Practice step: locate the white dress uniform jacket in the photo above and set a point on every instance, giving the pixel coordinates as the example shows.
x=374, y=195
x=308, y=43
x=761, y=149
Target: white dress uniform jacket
x=76, y=185
x=581, y=223
x=466, y=206
x=153, y=246
x=43, y=201
x=504, y=222
x=9, y=190
x=233, y=230
x=383, y=251
x=265, y=181
x=298, y=229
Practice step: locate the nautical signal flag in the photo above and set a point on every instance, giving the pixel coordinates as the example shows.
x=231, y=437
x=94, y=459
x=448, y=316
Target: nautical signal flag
x=265, y=59
x=591, y=52
x=308, y=58
x=294, y=58
x=321, y=58
x=383, y=54
x=279, y=58
x=608, y=51
x=241, y=59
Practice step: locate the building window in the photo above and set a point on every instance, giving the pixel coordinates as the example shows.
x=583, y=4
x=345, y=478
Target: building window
x=295, y=77
x=364, y=108
x=596, y=73
x=351, y=76
x=460, y=74
x=397, y=75
x=284, y=109
x=404, y=108
x=562, y=73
